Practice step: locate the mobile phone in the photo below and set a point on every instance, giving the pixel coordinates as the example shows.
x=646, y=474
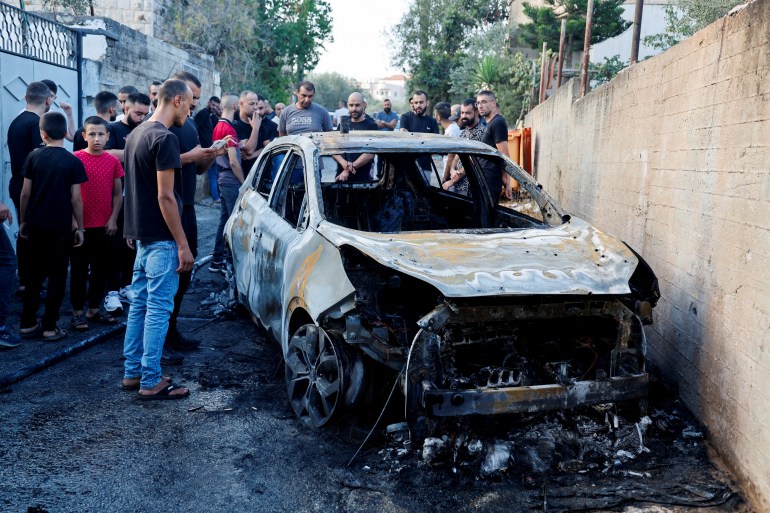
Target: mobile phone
x=219, y=144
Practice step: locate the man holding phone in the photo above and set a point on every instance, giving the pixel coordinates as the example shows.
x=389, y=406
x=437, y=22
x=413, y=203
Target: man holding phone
x=231, y=174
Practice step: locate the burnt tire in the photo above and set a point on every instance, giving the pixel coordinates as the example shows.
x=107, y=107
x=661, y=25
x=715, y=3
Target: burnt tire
x=324, y=376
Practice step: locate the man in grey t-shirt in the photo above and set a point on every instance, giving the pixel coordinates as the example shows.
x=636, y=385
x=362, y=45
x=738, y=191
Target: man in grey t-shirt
x=304, y=116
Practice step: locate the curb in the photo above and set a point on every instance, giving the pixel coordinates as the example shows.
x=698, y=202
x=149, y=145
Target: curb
x=58, y=356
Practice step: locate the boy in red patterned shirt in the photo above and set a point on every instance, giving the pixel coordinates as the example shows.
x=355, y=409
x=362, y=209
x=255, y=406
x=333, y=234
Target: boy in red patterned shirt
x=102, y=197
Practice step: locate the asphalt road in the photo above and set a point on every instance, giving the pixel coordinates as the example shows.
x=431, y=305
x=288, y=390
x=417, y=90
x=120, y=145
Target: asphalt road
x=73, y=441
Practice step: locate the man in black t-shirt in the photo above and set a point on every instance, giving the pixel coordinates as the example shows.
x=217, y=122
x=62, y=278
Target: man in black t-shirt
x=153, y=170
x=496, y=136
x=253, y=130
x=195, y=161
x=417, y=120
x=206, y=119
x=136, y=108
x=23, y=137
x=106, y=105
x=268, y=130
x=269, y=112
x=121, y=265
x=356, y=167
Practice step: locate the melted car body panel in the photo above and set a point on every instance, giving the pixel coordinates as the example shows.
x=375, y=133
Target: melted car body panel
x=314, y=279
x=574, y=258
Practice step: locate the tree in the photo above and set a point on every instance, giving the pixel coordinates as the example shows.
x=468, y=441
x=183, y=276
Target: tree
x=223, y=37
x=331, y=88
x=546, y=27
x=76, y=7
x=301, y=29
x=489, y=64
x=607, y=70
x=688, y=17
x=262, y=45
x=428, y=46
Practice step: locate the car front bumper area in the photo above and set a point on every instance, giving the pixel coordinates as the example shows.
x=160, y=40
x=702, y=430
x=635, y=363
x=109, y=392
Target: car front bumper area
x=531, y=399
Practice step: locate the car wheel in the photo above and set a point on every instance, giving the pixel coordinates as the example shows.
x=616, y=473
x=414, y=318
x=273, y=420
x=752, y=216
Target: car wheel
x=322, y=375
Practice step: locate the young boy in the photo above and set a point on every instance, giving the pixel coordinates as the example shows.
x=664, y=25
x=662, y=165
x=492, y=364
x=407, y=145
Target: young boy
x=102, y=198
x=49, y=198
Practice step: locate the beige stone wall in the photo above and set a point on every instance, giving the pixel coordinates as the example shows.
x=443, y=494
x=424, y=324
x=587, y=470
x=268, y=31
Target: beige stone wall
x=673, y=156
x=145, y=16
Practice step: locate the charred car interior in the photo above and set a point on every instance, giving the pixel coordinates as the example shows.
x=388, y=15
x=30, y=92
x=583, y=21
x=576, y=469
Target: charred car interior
x=479, y=306
x=406, y=198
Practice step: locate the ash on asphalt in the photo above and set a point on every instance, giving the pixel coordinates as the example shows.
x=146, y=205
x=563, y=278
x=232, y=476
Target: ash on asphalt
x=74, y=441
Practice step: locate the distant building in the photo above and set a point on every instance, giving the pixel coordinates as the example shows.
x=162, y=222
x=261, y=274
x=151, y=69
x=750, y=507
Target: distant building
x=392, y=88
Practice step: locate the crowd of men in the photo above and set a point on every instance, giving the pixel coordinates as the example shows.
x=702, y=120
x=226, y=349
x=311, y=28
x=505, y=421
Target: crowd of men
x=117, y=214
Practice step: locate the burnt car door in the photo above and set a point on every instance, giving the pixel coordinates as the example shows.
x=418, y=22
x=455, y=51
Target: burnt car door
x=248, y=224
x=283, y=223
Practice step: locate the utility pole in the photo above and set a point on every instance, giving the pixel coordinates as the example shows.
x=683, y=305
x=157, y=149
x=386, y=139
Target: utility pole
x=586, y=48
x=543, y=66
x=637, y=33
x=561, y=51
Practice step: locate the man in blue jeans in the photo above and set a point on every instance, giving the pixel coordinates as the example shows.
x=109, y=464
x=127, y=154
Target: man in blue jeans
x=153, y=170
x=231, y=176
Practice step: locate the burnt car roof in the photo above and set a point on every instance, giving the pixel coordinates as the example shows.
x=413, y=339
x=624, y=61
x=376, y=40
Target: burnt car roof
x=335, y=142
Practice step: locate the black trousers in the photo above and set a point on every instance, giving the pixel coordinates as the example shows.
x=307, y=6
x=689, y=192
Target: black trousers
x=93, y=255
x=120, y=269
x=190, y=226
x=22, y=246
x=49, y=253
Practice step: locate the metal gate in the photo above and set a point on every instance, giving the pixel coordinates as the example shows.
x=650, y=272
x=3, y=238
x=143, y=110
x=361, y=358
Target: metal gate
x=32, y=48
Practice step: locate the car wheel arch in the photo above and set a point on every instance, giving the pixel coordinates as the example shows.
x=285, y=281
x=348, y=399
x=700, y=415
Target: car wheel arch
x=298, y=317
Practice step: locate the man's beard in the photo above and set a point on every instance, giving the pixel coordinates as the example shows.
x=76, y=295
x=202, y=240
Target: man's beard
x=131, y=123
x=386, y=109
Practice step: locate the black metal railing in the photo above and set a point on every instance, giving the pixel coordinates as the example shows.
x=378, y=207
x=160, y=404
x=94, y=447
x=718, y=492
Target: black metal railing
x=35, y=37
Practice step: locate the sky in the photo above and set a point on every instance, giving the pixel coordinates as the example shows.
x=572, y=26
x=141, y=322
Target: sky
x=360, y=49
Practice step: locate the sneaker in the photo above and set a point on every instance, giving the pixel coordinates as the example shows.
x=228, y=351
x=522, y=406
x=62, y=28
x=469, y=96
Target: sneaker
x=170, y=357
x=217, y=267
x=9, y=339
x=178, y=342
x=126, y=294
x=112, y=302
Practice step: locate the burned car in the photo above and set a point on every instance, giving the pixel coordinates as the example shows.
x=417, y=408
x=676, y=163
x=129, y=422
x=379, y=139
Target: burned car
x=478, y=306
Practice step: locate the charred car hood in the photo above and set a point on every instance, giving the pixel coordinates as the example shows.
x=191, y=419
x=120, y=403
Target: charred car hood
x=574, y=258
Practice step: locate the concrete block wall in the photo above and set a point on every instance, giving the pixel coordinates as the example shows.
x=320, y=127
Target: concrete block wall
x=673, y=156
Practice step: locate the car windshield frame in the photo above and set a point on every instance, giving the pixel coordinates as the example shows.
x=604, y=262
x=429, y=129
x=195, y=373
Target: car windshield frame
x=552, y=214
